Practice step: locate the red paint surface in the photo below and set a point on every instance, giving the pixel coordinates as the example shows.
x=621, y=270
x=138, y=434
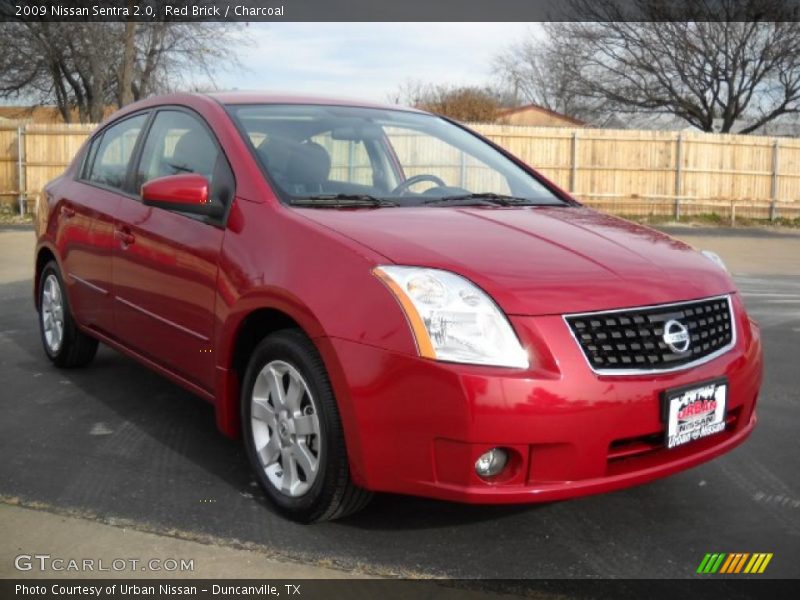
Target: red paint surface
x=187, y=189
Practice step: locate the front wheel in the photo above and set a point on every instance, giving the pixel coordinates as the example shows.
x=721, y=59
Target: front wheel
x=64, y=343
x=293, y=434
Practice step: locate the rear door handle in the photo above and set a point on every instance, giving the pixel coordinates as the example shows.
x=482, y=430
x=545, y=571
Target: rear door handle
x=67, y=211
x=125, y=237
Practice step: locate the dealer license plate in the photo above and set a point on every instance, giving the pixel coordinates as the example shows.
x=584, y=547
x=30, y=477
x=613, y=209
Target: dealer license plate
x=695, y=411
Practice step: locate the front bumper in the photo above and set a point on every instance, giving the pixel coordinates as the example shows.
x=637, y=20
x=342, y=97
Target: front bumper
x=416, y=426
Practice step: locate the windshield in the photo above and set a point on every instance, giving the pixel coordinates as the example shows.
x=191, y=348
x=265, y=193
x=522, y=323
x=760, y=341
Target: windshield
x=322, y=156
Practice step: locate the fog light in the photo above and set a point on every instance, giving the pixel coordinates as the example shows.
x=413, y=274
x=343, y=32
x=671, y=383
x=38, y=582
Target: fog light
x=491, y=463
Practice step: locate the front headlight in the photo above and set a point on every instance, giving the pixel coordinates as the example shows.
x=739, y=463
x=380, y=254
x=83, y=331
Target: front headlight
x=452, y=319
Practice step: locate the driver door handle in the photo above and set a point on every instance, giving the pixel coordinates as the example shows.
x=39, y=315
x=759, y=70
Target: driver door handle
x=125, y=236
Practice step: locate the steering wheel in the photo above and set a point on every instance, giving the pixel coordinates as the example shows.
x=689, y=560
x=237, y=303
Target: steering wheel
x=403, y=187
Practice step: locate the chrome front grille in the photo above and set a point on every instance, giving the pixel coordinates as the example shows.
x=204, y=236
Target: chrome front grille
x=632, y=340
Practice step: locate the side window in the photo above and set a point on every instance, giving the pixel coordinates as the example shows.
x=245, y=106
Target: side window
x=177, y=143
x=110, y=154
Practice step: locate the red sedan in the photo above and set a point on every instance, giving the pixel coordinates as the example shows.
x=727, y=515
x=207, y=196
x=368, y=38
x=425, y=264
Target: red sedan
x=378, y=299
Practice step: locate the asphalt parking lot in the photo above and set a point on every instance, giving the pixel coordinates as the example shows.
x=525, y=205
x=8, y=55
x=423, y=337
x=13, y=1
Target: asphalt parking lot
x=115, y=442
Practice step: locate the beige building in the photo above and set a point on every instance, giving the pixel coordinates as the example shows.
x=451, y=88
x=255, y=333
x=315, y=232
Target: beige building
x=537, y=116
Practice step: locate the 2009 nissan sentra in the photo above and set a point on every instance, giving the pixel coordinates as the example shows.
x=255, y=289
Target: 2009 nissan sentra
x=380, y=300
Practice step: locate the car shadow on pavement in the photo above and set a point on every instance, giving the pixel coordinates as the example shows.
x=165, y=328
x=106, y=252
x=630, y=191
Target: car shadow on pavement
x=390, y=512
x=157, y=429
x=167, y=419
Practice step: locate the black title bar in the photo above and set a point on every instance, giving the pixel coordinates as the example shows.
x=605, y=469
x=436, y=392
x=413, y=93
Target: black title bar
x=400, y=10
x=707, y=588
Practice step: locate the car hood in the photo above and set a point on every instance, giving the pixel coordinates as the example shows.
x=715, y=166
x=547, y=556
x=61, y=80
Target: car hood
x=537, y=260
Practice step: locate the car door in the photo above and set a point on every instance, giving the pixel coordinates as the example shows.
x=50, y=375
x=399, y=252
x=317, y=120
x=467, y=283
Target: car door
x=86, y=213
x=165, y=261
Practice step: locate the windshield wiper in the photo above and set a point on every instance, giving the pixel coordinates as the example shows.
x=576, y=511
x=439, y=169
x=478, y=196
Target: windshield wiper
x=340, y=200
x=486, y=198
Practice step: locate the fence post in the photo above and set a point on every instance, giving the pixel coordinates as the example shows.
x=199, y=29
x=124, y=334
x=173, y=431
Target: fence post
x=20, y=170
x=351, y=170
x=774, y=186
x=678, y=175
x=573, y=175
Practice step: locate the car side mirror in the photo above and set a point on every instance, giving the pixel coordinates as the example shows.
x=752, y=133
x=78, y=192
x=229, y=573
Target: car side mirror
x=187, y=192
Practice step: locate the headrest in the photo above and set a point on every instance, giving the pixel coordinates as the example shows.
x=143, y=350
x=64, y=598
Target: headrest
x=293, y=163
x=310, y=164
x=195, y=152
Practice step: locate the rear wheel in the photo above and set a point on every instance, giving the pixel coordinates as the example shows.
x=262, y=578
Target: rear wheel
x=64, y=343
x=292, y=431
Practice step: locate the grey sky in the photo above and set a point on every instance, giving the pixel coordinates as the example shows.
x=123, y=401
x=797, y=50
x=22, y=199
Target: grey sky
x=369, y=60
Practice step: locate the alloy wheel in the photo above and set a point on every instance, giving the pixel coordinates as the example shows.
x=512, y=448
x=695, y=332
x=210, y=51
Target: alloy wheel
x=286, y=430
x=52, y=313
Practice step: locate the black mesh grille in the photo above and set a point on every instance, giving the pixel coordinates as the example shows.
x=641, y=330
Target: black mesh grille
x=632, y=339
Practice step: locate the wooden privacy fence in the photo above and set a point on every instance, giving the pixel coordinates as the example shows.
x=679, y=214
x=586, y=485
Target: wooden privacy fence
x=635, y=173
x=641, y=173
x=33, y=154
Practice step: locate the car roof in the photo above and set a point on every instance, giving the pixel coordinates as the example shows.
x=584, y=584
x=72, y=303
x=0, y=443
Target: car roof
x=255, y=97
x=233, y=98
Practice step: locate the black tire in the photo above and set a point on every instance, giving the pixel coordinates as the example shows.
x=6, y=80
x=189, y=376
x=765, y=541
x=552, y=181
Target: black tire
x=332, y=495
x=76, y=348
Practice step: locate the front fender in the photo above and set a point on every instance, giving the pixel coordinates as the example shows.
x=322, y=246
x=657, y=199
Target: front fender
x=227, y=407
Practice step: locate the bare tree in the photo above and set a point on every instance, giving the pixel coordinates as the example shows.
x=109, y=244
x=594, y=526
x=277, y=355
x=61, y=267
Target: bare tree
x=463, y=103
x=542, y=72
x=56, y=62
x=85, y=67
x=125, y=94
x=720, y=65
x=169, y=56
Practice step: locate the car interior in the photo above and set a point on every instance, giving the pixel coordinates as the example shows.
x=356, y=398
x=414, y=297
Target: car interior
x=302, y=167
x=193, y=153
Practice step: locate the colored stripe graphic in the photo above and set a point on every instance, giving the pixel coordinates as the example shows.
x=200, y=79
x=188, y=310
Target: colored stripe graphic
x=741, y=562
x=755, y=561
x=716, y=564
x=734, y=563
x=731, y=560
x=711, y=563
x=703, y=563
x=764, y=564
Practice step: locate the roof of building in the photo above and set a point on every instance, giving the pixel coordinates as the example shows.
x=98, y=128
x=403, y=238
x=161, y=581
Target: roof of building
x=518, y=109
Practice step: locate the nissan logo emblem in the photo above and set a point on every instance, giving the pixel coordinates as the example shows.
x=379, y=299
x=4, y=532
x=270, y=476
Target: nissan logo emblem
x=676, y=336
